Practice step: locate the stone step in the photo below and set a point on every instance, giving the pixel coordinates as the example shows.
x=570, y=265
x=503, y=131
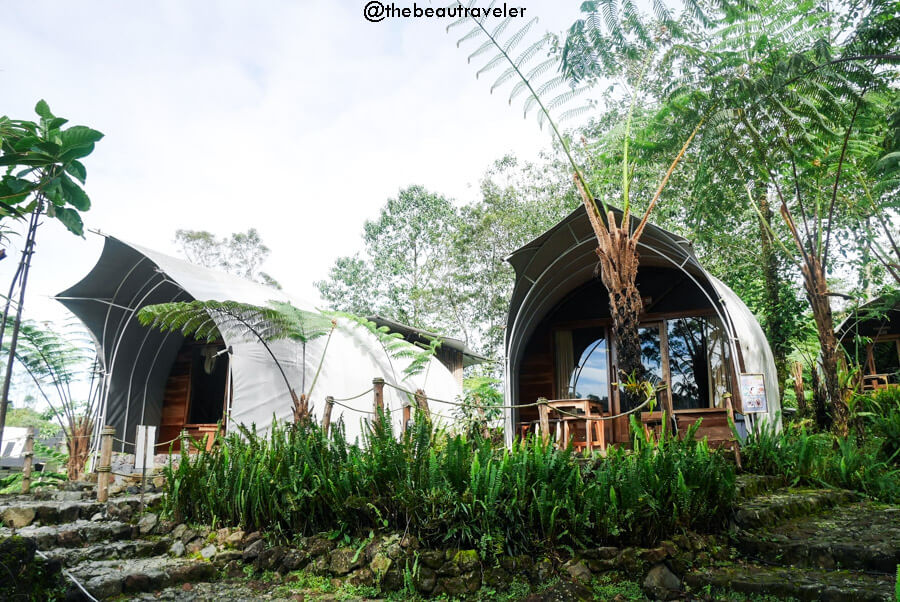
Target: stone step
x=123, y=549
x=753, y=485
x=859, y=536
x=108, y=578
x=783, y=504
x=24, y=511
x=806, y=584
x=75, y=534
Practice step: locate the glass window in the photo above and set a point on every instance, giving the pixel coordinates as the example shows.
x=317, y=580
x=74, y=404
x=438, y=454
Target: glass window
x=590, y=377
x=697, y=362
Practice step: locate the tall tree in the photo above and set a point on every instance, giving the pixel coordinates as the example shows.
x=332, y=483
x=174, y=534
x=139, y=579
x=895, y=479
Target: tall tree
x=42, y=165
x=403, y=263
x=241, y=253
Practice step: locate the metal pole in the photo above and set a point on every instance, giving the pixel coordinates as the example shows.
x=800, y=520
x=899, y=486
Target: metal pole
x=143, y=469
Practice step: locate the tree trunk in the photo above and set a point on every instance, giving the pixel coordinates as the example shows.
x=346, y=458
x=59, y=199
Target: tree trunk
x=775, y=322
x=817, y=290
x=799, y=392
x=619, y=260
x=79, y=447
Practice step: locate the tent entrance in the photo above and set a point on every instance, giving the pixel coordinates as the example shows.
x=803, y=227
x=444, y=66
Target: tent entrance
x=196, y=392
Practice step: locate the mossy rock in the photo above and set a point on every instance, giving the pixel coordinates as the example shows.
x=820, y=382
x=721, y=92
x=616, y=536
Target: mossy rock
x=26, y=577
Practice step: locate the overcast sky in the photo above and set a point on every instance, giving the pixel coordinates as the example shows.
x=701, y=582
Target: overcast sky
x=297, y=118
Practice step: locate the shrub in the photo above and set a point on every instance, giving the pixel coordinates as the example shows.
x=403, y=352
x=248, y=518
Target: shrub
x=821, y=459
x=452, y=491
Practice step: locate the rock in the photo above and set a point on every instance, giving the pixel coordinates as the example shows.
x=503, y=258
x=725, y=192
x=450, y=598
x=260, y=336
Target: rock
x=235, y=539
x=433, y=559
x=466, y=560
x=194, y=546
x=380, y=565
x=543, y=569
x=97, y=517
x=363, y=576
x=164, y=527
x=294, y=560
x=188, y=535
x=425, y=580
x=661, y=583
x=577, y=571
x=564, y=591
x=252, y=551
x=344, y=560
x=222, y=535
x=177, y=549
x=317, y=546
x=137, y=582
x=655, y=555
x=17, y=517
x=69, y=538
x=269, y=559
x=234, y=569
x=208, y=552
x=251, y=539
x=497, y=578
x=159, y=482
x=68, y=513
x=226, y=556
x=147, y=523
x=179, y=530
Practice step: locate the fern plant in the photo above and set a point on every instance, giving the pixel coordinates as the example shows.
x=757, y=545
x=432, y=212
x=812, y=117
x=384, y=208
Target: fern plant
x=63, y=365
x=208, y=320
x=395, y=346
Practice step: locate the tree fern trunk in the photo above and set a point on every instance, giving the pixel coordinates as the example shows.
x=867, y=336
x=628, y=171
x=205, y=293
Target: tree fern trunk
x=817, y=290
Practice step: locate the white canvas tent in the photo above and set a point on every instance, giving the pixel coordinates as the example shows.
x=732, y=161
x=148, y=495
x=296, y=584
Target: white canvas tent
x=137, y=360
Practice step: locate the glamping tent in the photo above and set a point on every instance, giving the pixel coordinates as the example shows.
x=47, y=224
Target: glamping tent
x=165, y=380
x=871, y=336
x=697, y=336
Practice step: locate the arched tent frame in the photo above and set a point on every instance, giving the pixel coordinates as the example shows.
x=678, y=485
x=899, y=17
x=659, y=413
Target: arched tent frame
x=136, y=360
x=562, y=259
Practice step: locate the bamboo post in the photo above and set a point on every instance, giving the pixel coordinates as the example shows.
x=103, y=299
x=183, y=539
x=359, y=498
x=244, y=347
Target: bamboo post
x=103, y=471
x=29, y=457
x=185, y=441
x=422, y=403
x=407, y=416
x=326, y=415
x=544, y=412
x=378, y=388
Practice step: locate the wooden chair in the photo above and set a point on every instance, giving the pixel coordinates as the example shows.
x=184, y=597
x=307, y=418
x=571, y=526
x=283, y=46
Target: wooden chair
x=576, y=423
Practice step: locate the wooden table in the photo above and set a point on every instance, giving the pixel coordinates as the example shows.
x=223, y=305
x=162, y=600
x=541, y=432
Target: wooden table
x=571, y=414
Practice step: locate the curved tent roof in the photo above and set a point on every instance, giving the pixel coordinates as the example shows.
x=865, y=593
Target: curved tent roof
x=137, y=360
x=562, y=259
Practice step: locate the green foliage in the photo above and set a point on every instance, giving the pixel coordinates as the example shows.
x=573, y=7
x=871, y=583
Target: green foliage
x=395, y=346
x=883, y=412
x=452, y=491
x=42, y=422
x=43, y=159
x=822, y=460
x=242, y=253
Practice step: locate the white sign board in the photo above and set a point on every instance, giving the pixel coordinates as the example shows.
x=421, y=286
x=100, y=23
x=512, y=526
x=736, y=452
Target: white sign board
x=142, y=433
x=753, y=394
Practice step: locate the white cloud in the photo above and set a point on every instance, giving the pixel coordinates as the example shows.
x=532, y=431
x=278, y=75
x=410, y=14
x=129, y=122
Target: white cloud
x=300, y=119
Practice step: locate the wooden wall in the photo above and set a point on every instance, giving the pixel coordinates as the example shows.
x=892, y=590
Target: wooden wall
x=175, y=399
